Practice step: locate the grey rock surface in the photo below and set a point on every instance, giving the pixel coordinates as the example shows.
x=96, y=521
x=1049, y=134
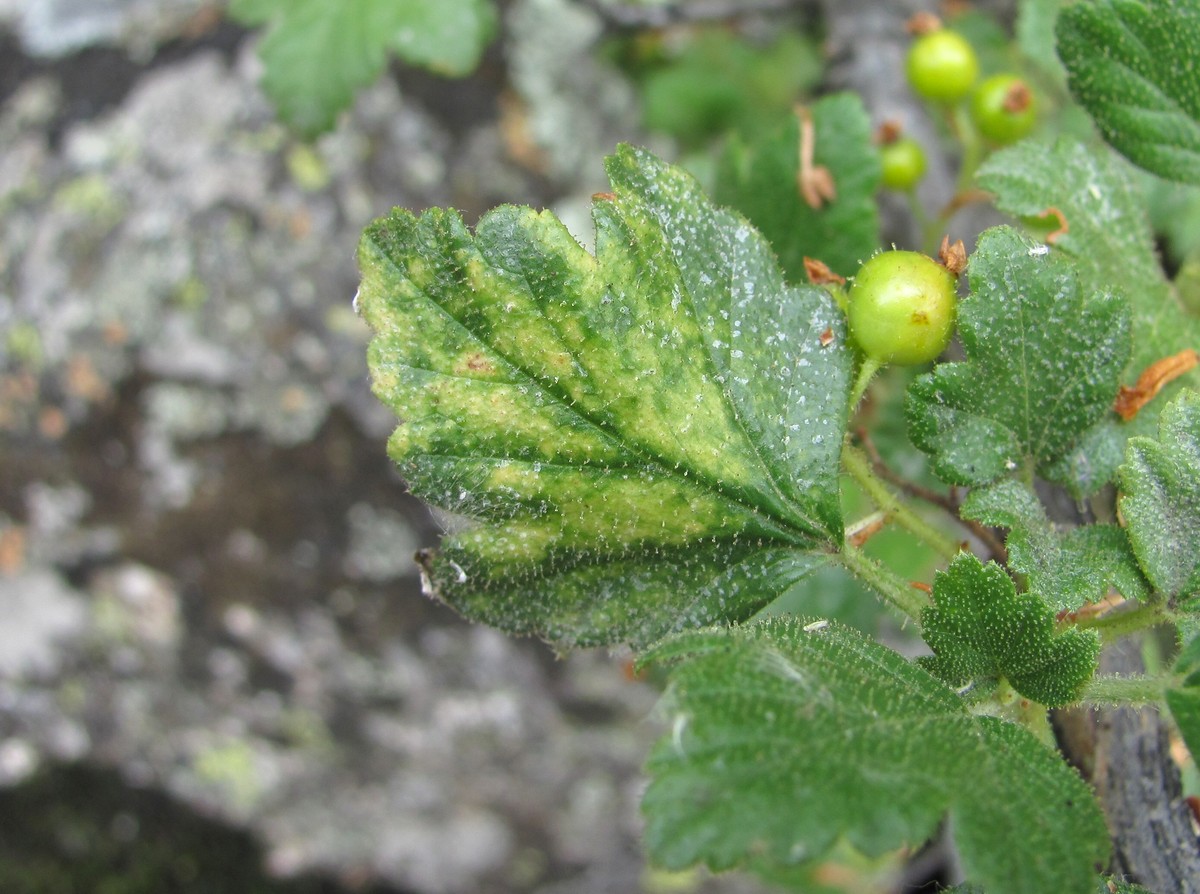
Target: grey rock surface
x=188, y=438
x=58, y=27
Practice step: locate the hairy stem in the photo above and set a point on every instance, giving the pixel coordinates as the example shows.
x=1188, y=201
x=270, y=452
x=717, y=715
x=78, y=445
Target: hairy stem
x=866, y=372
x=946, y=502
x=893, y=589
x=1121, y=621
x=1132, y=690
x=859, y=468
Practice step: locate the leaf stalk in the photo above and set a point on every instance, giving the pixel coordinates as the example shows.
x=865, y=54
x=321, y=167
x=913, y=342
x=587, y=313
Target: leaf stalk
x=1133, y=690
x=895, y=591
x=1122, y=621
x=859, y=468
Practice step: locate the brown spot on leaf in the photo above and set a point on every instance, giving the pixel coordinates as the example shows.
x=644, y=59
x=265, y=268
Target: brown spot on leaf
x=920, y=318
x=1158, y=374
x=604, y=197
x=827, y=337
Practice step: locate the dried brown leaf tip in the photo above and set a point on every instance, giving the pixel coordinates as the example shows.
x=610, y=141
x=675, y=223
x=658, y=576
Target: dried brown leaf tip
x=922, y=23
x=1092, y=609
x=819, y=274
x=1063, y=227
x=814, y=181
x=1158, y=374
x=953, y=256
x=864, y=530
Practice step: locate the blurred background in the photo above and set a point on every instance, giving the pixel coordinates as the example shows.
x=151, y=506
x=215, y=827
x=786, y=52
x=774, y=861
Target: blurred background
x=217, y=671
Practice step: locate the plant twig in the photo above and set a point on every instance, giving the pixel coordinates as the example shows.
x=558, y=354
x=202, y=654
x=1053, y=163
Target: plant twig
x=994, y=544
x=1120, y=690
x=899, y=593
x=1128, y=617
x=859, y=468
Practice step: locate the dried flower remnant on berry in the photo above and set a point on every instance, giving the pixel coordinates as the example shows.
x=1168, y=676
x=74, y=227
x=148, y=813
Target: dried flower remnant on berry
x=953, y=256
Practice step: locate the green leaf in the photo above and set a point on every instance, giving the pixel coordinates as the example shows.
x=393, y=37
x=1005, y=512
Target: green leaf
x=1113, y=885
x=719, y=81
x=1135, y=66
x=1108, y=238
x=980, y=628
x=760, y=181
x=318, y=54
x=652, y=435
x=1066, y=569
x=1050, y=353
x=1034, y=33
x=1160, y=499
x=786, y=736
x=1184, y=699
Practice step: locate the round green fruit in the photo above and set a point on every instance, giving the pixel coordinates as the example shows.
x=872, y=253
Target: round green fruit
x=1003, y=108
x=903, y=163
x=942, y=66
x=901, y=308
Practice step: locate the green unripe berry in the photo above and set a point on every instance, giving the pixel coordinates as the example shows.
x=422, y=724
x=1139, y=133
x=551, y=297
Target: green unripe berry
x=903, y=162
x=1003, y=108
x=942, y=66
x=901, y=308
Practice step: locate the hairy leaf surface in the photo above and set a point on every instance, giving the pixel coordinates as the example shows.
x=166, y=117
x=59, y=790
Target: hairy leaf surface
x=1111, y=242
x=317, y=53
x=1135, y=66
x=1067, y=569
x=1109, y=237
x=1160, y=499
x=981, y=628
x=760, y=181
x=652, y=434
x=785, y=736
x=1184, y=699
x=1049, y=351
